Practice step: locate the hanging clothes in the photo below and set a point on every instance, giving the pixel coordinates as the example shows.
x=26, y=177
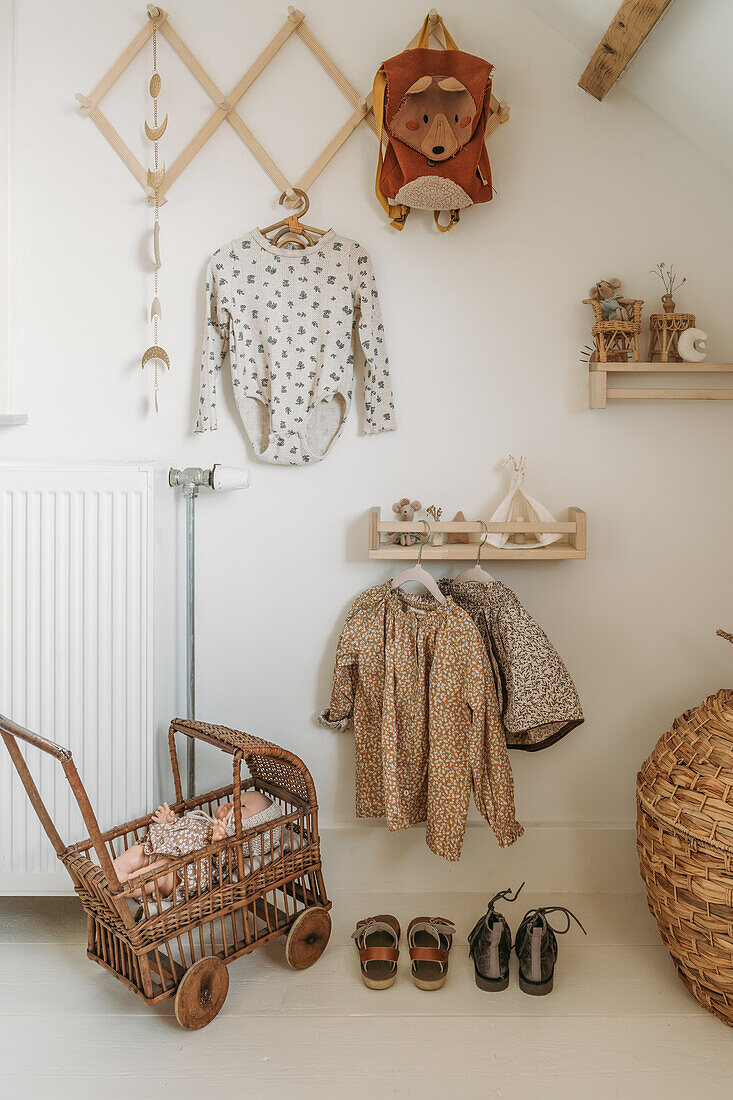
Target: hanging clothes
x=412, y=678
x=538, y=700
x=288, y=319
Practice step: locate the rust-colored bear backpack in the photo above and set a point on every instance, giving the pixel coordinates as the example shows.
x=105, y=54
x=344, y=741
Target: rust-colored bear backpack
x=433, y=106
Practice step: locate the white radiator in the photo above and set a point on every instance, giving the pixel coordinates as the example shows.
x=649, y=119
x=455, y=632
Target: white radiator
x=76, y=650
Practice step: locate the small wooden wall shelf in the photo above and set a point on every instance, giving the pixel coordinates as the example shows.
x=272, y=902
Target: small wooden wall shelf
x=599, y=392
x=571, y=547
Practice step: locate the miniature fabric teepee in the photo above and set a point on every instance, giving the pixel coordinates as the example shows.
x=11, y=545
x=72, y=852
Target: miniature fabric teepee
x=518, y=505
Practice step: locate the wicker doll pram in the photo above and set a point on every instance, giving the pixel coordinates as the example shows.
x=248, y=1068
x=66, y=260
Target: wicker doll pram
x=245, y=891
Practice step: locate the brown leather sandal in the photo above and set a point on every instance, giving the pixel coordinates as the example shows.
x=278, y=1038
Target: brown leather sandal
x=377, y=941
x=430, y=940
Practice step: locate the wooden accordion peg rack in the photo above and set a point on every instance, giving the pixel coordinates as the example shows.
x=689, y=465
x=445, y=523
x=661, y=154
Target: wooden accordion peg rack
x=225, y=105
x=571, y=547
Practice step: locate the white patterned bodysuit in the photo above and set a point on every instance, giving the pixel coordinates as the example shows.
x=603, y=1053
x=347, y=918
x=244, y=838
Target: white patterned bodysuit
x=288, y=319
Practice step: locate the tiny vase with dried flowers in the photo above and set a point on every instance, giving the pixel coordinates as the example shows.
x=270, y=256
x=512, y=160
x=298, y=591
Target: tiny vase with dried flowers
x=670, y=281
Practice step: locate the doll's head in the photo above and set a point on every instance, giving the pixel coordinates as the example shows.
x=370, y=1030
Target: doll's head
x=253, y=802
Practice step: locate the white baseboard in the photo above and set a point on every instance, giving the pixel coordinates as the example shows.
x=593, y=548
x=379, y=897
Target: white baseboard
x=556, y=859
x=367, y=856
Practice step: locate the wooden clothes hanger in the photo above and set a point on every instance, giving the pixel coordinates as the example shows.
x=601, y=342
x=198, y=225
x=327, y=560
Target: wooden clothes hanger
x=419, y=573
x=477, y=574
x=291, y=231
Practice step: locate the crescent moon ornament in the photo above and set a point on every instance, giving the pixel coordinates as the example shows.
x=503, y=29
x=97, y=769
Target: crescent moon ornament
x=156, y=245
x=155, y=133
x=156, y=176
x=692, y=344
x=155, y=85
x=155, y=351
x=155, y=310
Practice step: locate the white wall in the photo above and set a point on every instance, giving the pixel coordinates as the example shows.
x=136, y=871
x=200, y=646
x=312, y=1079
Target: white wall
x=483, y=326
x=7, y=14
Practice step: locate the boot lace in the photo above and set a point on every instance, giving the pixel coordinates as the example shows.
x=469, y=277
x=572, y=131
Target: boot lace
x=543, y=911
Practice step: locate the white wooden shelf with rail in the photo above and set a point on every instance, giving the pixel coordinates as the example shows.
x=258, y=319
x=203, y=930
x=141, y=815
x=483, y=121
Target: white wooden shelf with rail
x=600, y=392
x=571, y=547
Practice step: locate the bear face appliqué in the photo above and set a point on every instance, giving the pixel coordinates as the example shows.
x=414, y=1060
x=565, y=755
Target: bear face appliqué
x=435, y=117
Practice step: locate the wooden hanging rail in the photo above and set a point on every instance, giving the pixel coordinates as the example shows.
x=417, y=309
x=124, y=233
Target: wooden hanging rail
x=599, y=391
x=226, y=104
x=572, y=548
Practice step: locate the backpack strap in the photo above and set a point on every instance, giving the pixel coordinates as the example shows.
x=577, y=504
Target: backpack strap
x=455, y=217
x=424, y=39
x=397, y=214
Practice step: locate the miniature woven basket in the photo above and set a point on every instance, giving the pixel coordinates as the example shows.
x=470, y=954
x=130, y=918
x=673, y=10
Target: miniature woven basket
x=685, y=843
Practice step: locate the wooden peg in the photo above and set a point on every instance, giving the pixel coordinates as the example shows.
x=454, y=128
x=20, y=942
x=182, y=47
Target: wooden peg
x=292, y=13
x=154, y=12
x=85, y=103
x=433, y=16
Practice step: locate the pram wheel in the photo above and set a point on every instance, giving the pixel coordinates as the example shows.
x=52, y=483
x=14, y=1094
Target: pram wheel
x=307, y=939
x=201, y=993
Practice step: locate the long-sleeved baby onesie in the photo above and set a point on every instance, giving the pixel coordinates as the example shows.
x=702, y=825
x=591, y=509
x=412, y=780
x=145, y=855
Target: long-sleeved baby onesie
x=288, y=319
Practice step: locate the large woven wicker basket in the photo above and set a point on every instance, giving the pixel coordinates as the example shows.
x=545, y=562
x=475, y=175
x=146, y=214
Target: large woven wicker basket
x=685, y=844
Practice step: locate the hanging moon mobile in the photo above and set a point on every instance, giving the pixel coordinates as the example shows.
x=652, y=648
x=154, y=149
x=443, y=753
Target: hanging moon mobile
x=155, y=133
x=155, y=354
x=155, y=351
x=691, y=345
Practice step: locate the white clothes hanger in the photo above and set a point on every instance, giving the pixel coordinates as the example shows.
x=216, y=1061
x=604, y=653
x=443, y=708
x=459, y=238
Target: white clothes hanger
x=419, y=573
x=477, y=574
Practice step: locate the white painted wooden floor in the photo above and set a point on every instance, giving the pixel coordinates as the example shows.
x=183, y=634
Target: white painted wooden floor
x=619, y=1023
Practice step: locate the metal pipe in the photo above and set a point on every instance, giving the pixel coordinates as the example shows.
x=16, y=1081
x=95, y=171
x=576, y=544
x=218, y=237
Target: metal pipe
x=190, y=480
x=190, y=639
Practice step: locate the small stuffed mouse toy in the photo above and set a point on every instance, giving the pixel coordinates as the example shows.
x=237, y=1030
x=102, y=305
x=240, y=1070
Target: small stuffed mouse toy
x=405, y=510
x=613, y=306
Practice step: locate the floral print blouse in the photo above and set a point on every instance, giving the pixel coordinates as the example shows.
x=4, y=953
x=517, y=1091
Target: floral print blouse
x=412, y=677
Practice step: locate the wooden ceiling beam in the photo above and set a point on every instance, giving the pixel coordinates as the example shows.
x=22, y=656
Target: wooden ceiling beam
x=629, y=27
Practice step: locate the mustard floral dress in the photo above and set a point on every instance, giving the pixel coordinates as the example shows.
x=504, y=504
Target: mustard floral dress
x=412, y=677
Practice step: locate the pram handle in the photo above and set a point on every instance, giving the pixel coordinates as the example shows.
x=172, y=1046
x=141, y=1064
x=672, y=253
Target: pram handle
x=11, y=732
